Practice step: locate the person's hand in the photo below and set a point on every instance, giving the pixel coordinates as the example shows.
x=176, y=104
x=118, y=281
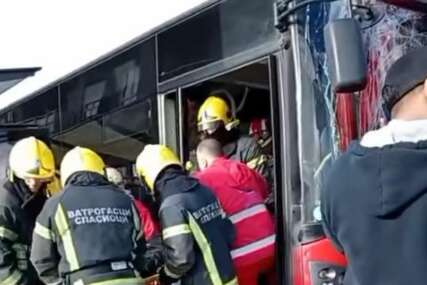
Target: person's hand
x=152, y=280
x=164, y=278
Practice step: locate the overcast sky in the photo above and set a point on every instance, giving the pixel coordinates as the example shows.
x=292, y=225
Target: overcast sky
x=62, y=35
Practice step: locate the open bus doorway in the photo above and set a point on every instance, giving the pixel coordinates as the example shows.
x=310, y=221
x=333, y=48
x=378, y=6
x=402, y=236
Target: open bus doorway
x=248, y=92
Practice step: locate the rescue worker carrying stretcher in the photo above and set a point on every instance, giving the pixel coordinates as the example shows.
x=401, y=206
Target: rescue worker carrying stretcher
x=31, y=168
x=90, y=232
x=196, y=234
x=215, y=120
x=241, y=192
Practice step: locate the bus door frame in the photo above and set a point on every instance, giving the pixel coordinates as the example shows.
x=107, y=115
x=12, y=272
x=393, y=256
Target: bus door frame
x=287, y=174
x=164, y=114
x=283, y=122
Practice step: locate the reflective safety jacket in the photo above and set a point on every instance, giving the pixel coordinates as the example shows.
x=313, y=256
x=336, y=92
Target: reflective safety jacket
x=18, y=211
x=89, y=234
x=247, y=150
x=241, y=192
x=196, y=234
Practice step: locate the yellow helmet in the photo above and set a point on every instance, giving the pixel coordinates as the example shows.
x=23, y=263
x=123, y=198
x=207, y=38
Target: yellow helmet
x=212, y=113
x=54, y=186
x=81, y=159
x=31, y=158
x=152, y=160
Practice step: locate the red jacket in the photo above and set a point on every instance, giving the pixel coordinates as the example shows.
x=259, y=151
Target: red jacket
x=241, y=192
x=150, y=226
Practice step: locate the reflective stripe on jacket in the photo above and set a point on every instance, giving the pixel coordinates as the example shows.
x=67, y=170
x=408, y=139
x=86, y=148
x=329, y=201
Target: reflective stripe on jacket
x=18, y=211
x=197, y=236
x=91, y=223
x=240, y=192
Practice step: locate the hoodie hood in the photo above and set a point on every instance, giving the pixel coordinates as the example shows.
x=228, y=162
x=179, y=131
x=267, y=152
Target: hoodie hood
x=396, y=131
x=400, y=173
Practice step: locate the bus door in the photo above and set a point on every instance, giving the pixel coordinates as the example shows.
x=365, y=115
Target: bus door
x=319, y=125
x=307, y=154
x=251, y=92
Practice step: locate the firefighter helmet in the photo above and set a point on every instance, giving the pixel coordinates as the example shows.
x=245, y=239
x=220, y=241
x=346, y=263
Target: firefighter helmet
x=213, y=113
x=54, y=186
x=152, y=160
x=31, y=158
x=81, y=159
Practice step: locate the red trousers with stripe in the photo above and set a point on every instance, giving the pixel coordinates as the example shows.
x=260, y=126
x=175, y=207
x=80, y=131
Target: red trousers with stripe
x=251, y=267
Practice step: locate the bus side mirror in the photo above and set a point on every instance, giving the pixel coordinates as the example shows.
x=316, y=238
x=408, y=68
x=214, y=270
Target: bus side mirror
x=347, y=64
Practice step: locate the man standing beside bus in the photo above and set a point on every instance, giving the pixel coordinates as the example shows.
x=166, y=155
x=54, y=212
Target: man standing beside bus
x=241, y=192
x=374, y=203
x=31, y=168
x=196, y=233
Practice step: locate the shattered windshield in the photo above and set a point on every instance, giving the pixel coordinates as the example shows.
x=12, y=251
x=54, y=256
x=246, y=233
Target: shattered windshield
x=328, y=122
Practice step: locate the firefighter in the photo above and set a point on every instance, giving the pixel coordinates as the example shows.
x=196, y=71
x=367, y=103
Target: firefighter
x=90, y=232
x=31, y=168
x=196, y=233
x=215, y=120
x=241, y=192
x=258, y=129
x=374, y=202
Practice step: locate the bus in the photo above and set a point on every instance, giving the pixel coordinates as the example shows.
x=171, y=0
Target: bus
x=269, y=61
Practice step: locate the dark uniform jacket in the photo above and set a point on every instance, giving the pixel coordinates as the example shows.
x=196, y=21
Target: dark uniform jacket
x=247, y=150
x=18, y=211
x=196, y=234
x=89, y=232
x=374, y=207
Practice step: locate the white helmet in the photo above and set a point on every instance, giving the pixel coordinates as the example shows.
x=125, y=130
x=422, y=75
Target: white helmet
x=113, y=175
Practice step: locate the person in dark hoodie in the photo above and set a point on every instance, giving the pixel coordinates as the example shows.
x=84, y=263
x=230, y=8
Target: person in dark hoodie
x=374, y=203
x=31, y=169
x=196, y=233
